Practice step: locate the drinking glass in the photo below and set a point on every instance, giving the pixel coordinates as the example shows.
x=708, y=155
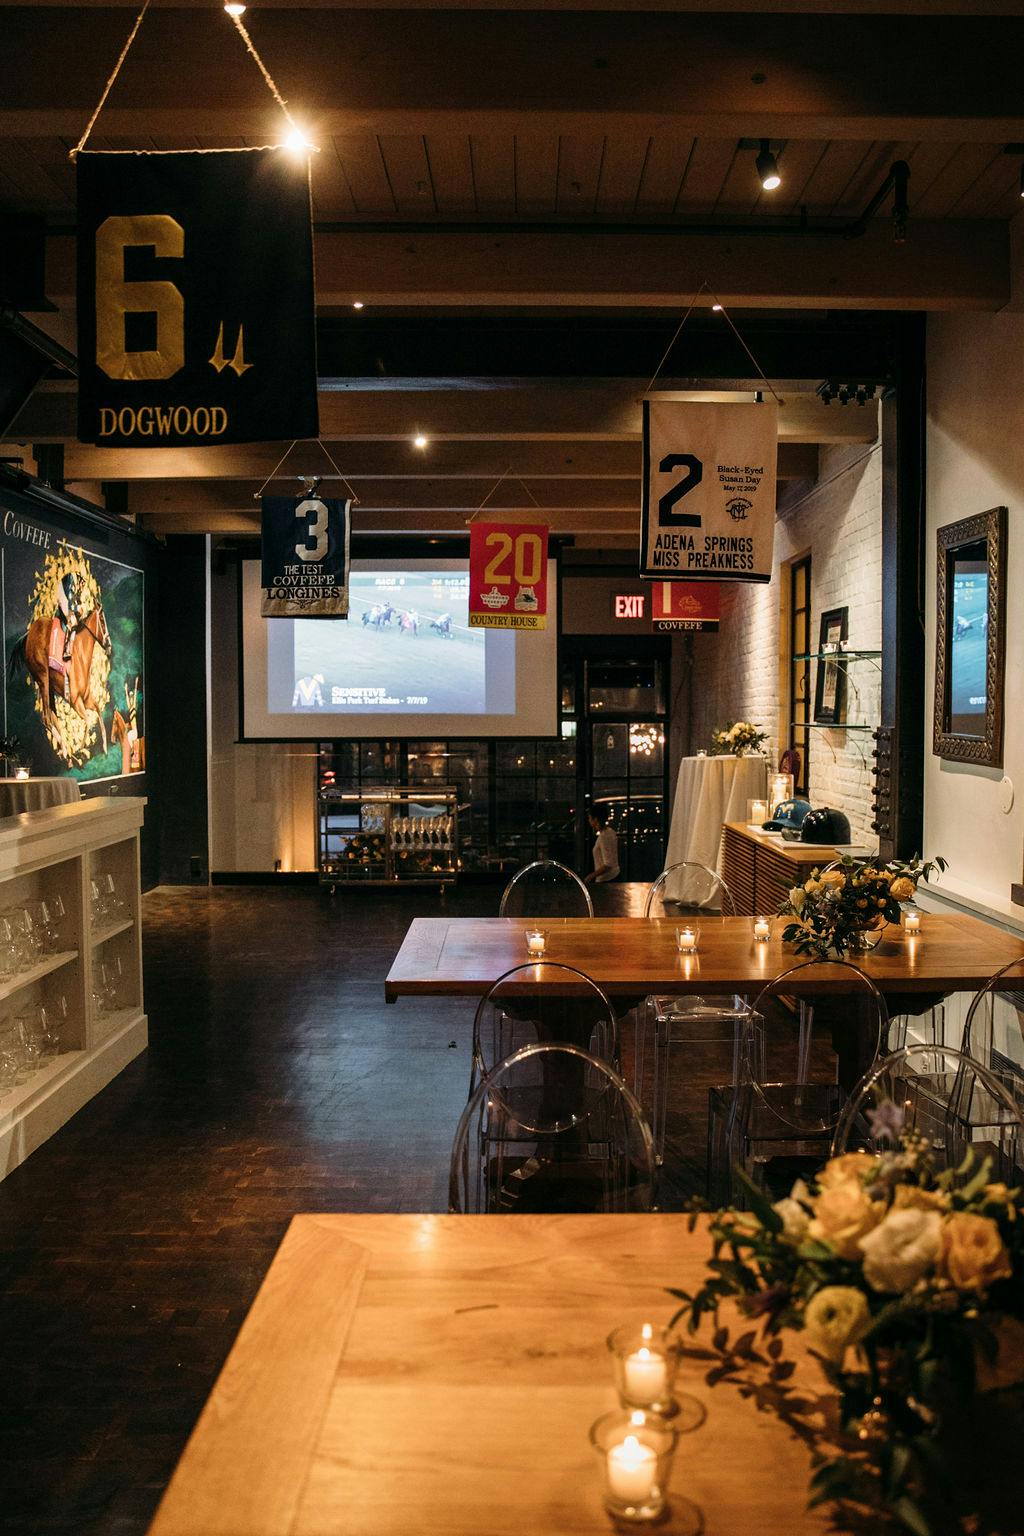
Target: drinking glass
x=43, y=923
x=26, y=940
x=113, y=971
x=47, y=1030
x=9, y=1065
x=8, y=950
x=115, y=907
x=29, y=1045
x=97, y=903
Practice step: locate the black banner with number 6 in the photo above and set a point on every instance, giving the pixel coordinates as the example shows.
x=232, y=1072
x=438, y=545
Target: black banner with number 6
x=305, y=558
x=196, y=320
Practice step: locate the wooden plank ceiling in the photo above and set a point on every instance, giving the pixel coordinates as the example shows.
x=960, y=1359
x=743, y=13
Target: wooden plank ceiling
x=437, y=123
x=438, y=177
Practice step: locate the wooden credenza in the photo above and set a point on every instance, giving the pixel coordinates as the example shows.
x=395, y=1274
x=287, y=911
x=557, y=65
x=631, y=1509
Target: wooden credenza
x=760, y=869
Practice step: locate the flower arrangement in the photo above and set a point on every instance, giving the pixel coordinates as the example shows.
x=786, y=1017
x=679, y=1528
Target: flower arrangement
x=909, y=1287
x=742, y=736
x=835, y=908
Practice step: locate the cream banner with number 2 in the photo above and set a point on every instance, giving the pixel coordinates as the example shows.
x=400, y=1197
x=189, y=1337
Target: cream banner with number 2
x=708, y=491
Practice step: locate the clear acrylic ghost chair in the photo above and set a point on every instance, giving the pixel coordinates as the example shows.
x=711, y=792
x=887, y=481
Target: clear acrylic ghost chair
x=993, y=1036
x=788, y=1100
x=686, y=887
x=539, y=1003
x=688, y=1019
x=546, y=888
x=889, y=1098
x=552, y=1128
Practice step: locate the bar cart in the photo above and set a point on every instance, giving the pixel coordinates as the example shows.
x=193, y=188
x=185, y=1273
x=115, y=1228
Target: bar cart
x=394, y=835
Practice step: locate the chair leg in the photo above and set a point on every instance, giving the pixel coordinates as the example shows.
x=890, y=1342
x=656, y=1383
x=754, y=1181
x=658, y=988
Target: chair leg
x=641, y=1024
x=662, y=1061
x=803, y=1062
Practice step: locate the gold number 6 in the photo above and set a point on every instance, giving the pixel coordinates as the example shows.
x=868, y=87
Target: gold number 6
x=116, y=297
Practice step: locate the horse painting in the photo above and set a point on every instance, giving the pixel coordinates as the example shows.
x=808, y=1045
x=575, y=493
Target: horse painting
x=42, y=662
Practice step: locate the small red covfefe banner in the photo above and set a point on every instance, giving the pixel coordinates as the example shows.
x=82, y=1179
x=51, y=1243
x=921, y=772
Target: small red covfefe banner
x=684, y=605
x=508, y=576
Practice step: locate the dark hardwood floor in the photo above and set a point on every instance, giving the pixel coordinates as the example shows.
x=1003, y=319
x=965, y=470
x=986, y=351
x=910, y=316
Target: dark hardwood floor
x=134, y=1241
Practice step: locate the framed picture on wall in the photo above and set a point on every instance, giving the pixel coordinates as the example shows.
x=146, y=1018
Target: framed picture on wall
x=830, y=678
x=970, y=640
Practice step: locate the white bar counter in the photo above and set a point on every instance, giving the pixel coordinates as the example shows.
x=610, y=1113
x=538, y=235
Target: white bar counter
x=60, y=851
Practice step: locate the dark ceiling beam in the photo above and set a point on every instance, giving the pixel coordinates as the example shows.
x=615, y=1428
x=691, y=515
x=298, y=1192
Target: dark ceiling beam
x=923, y=76
x=461, y=467
x=600, y=412
x=943, y=265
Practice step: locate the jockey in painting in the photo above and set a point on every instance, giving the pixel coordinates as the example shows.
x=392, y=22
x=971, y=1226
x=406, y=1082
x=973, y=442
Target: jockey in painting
x=69, y=616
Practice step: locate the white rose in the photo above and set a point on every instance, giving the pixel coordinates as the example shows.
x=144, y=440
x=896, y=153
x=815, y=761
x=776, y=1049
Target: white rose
x=797, y=898
x=795, y=1220
x=900, y=1249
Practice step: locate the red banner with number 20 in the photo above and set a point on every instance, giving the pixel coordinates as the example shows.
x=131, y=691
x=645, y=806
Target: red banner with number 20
x=508, y=576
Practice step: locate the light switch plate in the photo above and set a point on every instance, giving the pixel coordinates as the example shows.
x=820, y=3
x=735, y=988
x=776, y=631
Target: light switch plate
x=1006, y=795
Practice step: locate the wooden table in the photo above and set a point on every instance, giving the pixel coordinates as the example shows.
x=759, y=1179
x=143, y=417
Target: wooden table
x=631, y=957
x=438, y=1375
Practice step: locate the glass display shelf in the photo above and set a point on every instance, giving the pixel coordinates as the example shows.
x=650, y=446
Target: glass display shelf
x=391, y=835
x=837, y=656
x=826, y=725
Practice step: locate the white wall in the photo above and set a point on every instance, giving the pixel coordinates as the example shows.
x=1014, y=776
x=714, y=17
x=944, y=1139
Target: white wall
x=737, y=671
x=262, y=795
x=975, y=448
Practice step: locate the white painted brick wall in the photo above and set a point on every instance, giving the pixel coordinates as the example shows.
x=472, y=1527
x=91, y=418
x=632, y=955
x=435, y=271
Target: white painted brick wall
x=736, y=672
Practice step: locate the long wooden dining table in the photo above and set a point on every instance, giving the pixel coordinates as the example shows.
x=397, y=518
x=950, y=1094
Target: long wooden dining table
x=632, y=957
x=440, y=1374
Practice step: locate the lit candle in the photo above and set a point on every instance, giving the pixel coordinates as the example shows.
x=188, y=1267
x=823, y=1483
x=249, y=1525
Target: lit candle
x=645, y=1376
x=912, y=922
x=781, y=788
x=686, y=940
x=535, y=942
x=632, y=1471
x=762, y=930
x=21, y=773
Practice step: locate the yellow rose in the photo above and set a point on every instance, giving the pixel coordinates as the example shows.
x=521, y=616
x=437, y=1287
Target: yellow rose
x=973, y=1256
x=833, y=877
x=902, y=889
x=907, y=1197
x=836, y=1317
x=999, y=1194
x=843, y=1214
x=849, y=1165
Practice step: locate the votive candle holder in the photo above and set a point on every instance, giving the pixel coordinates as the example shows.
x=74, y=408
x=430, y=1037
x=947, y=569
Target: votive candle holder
x=636, y=1451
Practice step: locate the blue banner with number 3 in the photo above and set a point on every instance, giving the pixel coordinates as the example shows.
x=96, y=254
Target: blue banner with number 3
x=305, y=557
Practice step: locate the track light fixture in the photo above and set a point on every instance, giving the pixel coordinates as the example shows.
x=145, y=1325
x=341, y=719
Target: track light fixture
x=845, y=391
x=768, y=167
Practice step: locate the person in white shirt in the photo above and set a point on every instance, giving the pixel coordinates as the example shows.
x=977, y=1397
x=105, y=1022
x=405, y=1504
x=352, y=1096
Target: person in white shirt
x=606, y=847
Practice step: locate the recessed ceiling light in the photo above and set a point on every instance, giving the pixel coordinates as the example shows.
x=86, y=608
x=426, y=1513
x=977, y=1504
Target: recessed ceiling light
x=419, y=441
x=716, y=309
x=234, y=8
x=357, y=303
